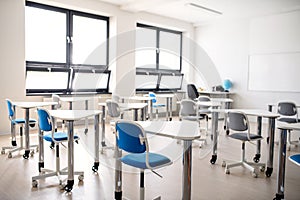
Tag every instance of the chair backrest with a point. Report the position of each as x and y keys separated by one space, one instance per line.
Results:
x=153 y=97
x=113 y=108
x=115 y=98
x=131 y=137
x=10 y=108
x=56 y=98
x=203 y=98
x=187 y=108
x=45 y=120
x=192 y=91
x=287 y=108
x=237 y=121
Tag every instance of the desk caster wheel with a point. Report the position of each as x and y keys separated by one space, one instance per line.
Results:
x=254 y=174
x=69 y=186
x=227 y=132
x=213 y=159
x=14 y=143
x=35 y=183
x=262 y=168
x=269 y=172
x=52 y=145
x=227 y=171
x=2 y=152
x=9 y=155
x=279 y=197
x=86 y=130
x=32 y=153
x=256 y=158
x=95 y=167
x=223 y=164
x=26 y=154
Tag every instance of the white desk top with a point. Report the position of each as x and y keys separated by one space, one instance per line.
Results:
x=24 y=104
x=138 y=98
x=161 y=95
x=288 y=126
x=209 y=103
x=221 y=100
x=251 y=112
x=74 y=99
x=214 y=92
x=70 y=115
x=129 y=106
x=183 y=130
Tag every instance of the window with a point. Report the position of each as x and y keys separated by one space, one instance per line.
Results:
x=158 y=58
x=61 y=42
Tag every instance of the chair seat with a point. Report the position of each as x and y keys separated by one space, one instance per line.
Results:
x=192 y=118
x=295 y=159
x=58 y=136
x=158 y=105
x=288 y=120
x=139 y=160
x=244 y=137
x=22 y=121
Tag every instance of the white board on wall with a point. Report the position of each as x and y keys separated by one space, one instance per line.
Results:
x=279 y=72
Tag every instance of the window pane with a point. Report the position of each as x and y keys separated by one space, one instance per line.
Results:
x=146 y=81
x=90 y=81
x=170 y=82
x=89 y=40
x=145 y=56
x=45 y=32
x=46 y=80
x=169 y=46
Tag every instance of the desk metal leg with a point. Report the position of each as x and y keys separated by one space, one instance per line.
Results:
x=26 y=127
x=214 y=129
x=70 y=181
x=171 y=108
x=271 y=131
x=41 y=150
x=151 y=110
x=103 y=127
x=281 y=165
x=187 y=170
x=167 y=108
x=270 y=108
x=86 y=119
x=136 y=114
x=96 y=127
x=258 y=146
x=118 y=174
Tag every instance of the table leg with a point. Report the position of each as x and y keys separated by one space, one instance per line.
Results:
x=271 y=132
x=13 y=130
x=258 y=146
x=26 y=127
x=41 y=150
x=151 y=110
x=270 y=108
x=96 y=127
x=103 y=127
x=118 y=174
x=136 y=114
x=187 y=170
x=70 y=181
x=171 y=99
x=86 y=119
x=167 y=108
x=281 y=165
x=214 y=129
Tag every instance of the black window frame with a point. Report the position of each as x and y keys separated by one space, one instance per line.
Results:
x=157 y=71
x=68 y=65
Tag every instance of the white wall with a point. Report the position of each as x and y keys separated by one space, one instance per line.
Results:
x=12 y=49
x=230 y=42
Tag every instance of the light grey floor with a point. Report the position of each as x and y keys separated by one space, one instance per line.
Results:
x=208 y=181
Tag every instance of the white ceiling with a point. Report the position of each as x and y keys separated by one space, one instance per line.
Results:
x=178 y=9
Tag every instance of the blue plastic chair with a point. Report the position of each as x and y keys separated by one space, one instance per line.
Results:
x=46 y=125
x=295 y=159
x=155 y=105
x=13 y=122
x=131 y=138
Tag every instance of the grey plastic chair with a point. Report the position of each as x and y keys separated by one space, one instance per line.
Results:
x=204 y=110
x=238 y=123
x=288 y=113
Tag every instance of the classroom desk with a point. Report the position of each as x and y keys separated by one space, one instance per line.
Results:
x=72 y=100
x=271 y=131
x=284 y=128
x=27 y=106
x=169 y=99
x=145 y=99
x=70 y=116
x=124 y=107
x=181 y=130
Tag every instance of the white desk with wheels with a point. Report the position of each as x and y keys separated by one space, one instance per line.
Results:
x=271 y=131
x=71 y=100
x=70 y=116
x=284 y=128
x=181 y=130
x=27 y=106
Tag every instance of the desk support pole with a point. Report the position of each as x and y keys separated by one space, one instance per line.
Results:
x=70 y=182
x=118 y=174
x=26 y=127
x=187 y=170
x=258 y=146
x=96 y=127
x=214 y=129
x=167 y=108
x=103 y=127
x=86 y=119
x=41 y=150
x=271 y=131
x=281 y=164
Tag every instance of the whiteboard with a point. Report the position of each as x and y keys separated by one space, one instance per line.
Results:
x=278 y=72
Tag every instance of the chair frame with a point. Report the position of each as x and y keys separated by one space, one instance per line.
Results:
x=45 y=173
x=15 y=147
x=243 y=162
